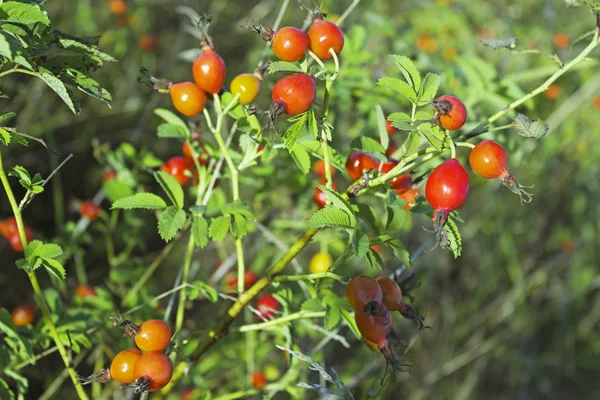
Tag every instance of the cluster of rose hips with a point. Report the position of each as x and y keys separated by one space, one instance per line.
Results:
x=372 y=301
x=184 y=168
x=9 y=230
x=148 y=371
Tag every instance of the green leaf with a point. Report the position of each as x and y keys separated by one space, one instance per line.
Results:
x=397 y=218
x=374 y=259
x=22 y=13
x=399 y=86
x=434 y=135
x=171 y=131
x=240 y=225
x=200 y=231
x=140 y=200
x=332 y=317
x=205 y=289
x=401 y=121
x=401 y=254
x=5 y=136
x=339 y=202
x=350 y=321
x=22 y=174
x=218 y=228
x=410 y=72
x=171 y=118
x=115 y=190
x=528 y=128
x=313 y=126
x=5 y=50
x=331 y=216
x=384 y=138
x=431 y=83
x=170 y=222
x=283 y=66
x=312 y=305
x=411 y=144
x=294 y=132
x=301 y=158
x=360 y=243
x=54 y=267
x=367 y=144
x=7 y=116
x=171 y=187
x=454 y=237
x=88 y=86
x=367 y=214
x=59 y=87
x=49 y=250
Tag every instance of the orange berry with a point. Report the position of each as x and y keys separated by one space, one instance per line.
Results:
x=561 y=40
x=117 y=7
x=427 y=44
x=123 y=365
x=23 y=315
x=82 y=291
x=553 y=92
x=259 y=380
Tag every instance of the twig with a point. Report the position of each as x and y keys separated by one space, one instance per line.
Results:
x=30 y=195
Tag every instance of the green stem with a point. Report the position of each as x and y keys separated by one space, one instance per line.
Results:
x=244 y=394
x=452 y=145
x=317 y=59
x=282 y=320
x=465 y=144
x=22 y=71
x=310 y=277
x=36 y=286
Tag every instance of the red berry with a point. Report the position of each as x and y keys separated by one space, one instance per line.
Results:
x=23 y=315
x=319 y=169
x=9 y=227
x=323 y=36
x=267 y=306
x=450 y=112
x=489 y=160
x=90 y=210
x=409 y=196
x=109 y=175
x=390 y=128
x=289 y=43
x=123 y=365
x=364 y=295
x=209 y=71
x=152 y=371
x=14 y=239
x=117 y=7
x=400 y=183
x=293 y=95
x=177 y=167
x=250 y=279
x=83 y=291
x=148 y=43
x=15 y=243
x=203 y=156
x=246 y=86
x=188 y=98
x=392 y=294
x=153 y=335
x=375 y=328
x=259 y=380
x=359 y=163
x=392 y=147
x=446 y=190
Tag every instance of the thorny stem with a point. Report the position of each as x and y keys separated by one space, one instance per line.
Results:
x=310 y=277
x=36 y=286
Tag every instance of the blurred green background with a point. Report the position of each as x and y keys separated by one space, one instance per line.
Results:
x=515 y=317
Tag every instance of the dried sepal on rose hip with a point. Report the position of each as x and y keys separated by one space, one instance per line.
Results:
x=488 y=158
x=150 y=335
x=449 y=112
x=446 y=190
x=152 y=372
x=365 y=296
x=393 y=301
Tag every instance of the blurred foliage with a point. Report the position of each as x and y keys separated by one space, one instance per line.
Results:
x=516 y=316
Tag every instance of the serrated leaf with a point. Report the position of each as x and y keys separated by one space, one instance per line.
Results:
x=333 y=317
x=384 y=138
x=239 y=226
x=23 y=13
x=338 y=201
x=374 y=259
x=313 y=127
x=140 y=200
x=115 y=190
x=411 y=144
x=5 y=136
x=367 y=214
x=22 y=174
x=7 y=116
x=54 y=267
x=428 y=90
x=367 y=144
x=401 y=121
x=88 y=85
x=200 y=231
x=59 y=87
x=171 y=118
x=295 y=131
x=208 y=291
x=283 y=66
x=48 y=250
x=528 y=128
x=508 y=43
x=454 y=237
x=408 y=69
x=218 y=228
x=301 y=158
x=400 y=87
x=5 y=50
x=360 y=243
x=171 y=187
x=331 y=216
x=351 y=322
x=434 y=135
x=171 y=131
x=311 y=305
x=170 y=222
x=397 y=217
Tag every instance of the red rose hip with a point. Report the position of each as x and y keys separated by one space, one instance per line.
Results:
x=293 y=95
x=450 y=112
